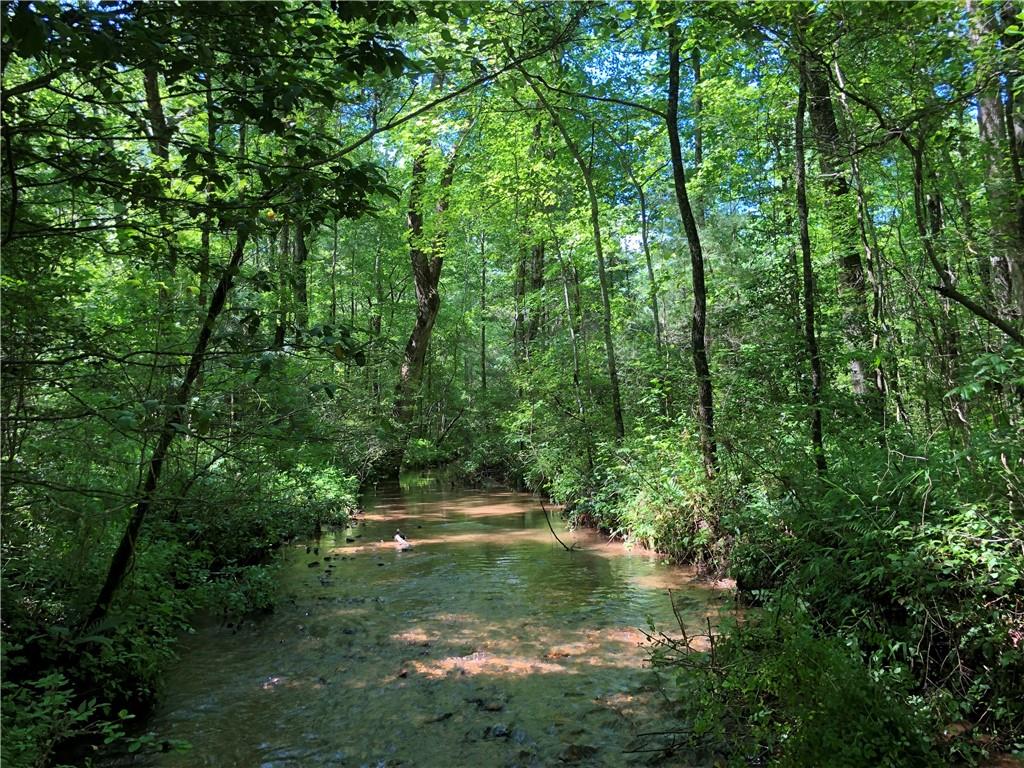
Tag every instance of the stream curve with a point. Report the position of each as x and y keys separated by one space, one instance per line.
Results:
x=486 y=644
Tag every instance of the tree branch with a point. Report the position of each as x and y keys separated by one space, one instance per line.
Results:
x=966 y=301
x=561 y=37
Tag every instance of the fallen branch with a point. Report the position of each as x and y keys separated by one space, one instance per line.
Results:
x=552 y=529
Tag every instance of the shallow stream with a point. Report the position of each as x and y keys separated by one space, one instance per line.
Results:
x=486 y=644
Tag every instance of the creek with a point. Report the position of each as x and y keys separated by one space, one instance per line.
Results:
x=486 y=644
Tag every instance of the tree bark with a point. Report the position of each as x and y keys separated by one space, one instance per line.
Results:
x=334 y=274
x=698 y=325
x=574 y=321
x=810 y=335
x=427 y=259
x=208 y=225
x=1007 y=271
x=927 y=216
x=841 y=214
x=535 y=305
x=645 y=243
x=300 y=280
x=483 y=310
x=698 y=133
x=280 y=257
x=519 y=307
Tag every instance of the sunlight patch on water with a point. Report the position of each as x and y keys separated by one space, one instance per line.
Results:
x=487 y=644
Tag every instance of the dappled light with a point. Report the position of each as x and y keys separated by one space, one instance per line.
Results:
x=511 y=384
x=491 y=641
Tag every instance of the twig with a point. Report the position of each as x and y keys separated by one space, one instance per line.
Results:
x=552 y=529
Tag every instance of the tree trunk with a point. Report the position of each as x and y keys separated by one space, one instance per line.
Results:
x=519 y=307
x=208 y=224
x=602 y=272
x=377 y=316
x=1007 y=272
x=300 y=280
x=535 y=286
x=427 y=259
x=645 y=243
x=841 y=215
x=877 y=398
x=483 y=310
x=927 y=216
x=698 y=134
x=810 y=336
x=334 y=275
x=574 y=321
x=125 y=552
x=280 y=259
x=698 y=325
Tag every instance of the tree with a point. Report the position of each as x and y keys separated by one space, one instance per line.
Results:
x=698 y=325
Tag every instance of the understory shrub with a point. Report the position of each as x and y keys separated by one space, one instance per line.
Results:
x=775 y=691
x=651 y=491
x=918 y=564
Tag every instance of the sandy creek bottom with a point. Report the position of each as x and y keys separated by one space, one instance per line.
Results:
x=485 y=645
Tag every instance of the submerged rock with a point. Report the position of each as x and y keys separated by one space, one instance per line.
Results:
x=576 y=753
x=314 y=564
x=487 y=705
x=497 y=731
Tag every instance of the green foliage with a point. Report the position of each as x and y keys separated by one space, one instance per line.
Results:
x=142 y=143
x=421 y=453
x=774 y=691
x=651 y=490
x=912 y=569
x=40 y=714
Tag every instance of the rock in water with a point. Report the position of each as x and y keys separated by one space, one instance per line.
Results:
x=497 y=731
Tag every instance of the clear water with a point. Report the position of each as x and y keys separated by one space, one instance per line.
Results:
x=486 y=644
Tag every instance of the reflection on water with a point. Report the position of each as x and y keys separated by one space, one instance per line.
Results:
x=487 y=644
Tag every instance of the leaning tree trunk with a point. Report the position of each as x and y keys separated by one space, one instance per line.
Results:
x=125 y=552
x=698 y=325
x=427 y=258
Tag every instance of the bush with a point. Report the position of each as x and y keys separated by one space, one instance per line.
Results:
x=652 y=492
x=774 y=691
x=39 y=714
x=208 y=550
x=894 y=557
